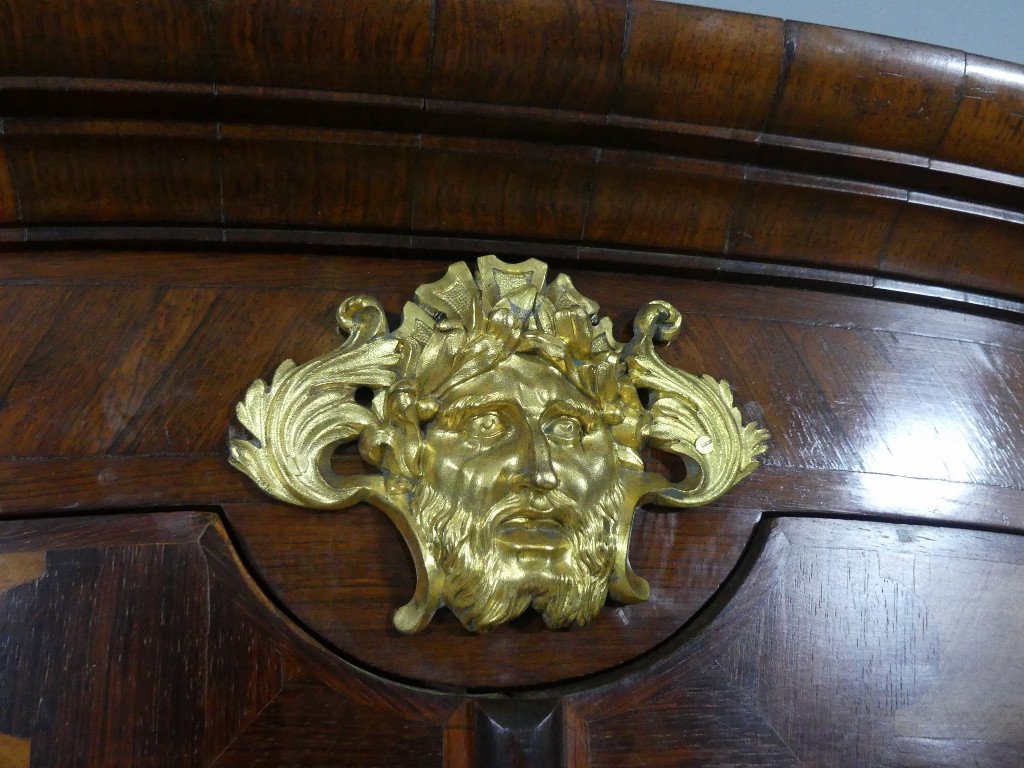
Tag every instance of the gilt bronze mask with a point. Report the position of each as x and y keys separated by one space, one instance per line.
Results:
x=507 y=424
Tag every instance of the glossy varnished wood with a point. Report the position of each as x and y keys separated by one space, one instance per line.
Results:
x=807 y=664
x=161 y=379
x=99 y=171
x=698 y=195
x=987 y=128
x=163 y=41
x=575 y=47
x=688 y=66
x=857 y=88
x=875 y=408
x=889 y=616
x=364 y=178
x=187 y=191
x=363 y=46
x=343 y=575
x=863 y=147
x=933 y=241
x=83 y=646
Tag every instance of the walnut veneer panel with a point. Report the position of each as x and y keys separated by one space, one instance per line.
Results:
x=336 y=45
x=579 y=124
x=92 y=672
x=808 y=664
x=690 y=66
x=94 y=676
x=868 y=402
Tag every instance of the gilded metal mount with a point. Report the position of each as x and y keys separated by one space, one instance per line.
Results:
x=507 y=424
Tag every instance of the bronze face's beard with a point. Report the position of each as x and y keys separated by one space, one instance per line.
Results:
x=485 y=586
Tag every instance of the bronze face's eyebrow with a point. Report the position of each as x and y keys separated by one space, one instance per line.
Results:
x=456 y=409
x=586 y=414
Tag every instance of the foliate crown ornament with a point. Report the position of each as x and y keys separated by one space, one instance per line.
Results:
x=506 y=423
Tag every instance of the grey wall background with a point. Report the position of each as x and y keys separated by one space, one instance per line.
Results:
x=989 y=27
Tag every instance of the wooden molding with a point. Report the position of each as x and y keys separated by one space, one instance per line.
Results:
x=652 y=126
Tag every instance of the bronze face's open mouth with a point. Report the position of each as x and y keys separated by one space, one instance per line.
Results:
x=539 y=528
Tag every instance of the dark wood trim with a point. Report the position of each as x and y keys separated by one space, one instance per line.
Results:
x=883 y=156
x=16 y=241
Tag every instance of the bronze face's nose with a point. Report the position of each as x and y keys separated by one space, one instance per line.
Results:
x=541 y=470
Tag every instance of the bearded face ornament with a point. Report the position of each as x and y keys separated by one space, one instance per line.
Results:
x=507 y=424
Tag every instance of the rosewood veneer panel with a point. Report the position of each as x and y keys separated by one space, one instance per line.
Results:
x=155 y=40
x=309 y=724
x=838 y=642
x=334 y=179
x=988 y=128
x=857 y=88
x=901 y=410
x=162 y=369
x=89 y=671
x=344 y=574
x=687 y=65
x=343 y=45
x=847 y=644
x=269 y=326
x=32 y=311
x=116 y=357
x=565 y=55
x=93 y=672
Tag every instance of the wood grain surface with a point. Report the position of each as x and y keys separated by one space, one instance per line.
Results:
x=876 y=409
x=344 y=575
x=187 y=191
x=881 y=387
x=637 y=125
x=807 y=663
x=93 y=677
x=837 y=642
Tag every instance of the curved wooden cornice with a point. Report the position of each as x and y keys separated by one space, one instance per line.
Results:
x=600 y=129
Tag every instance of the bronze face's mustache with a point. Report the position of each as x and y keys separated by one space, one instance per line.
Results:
x=548 y=505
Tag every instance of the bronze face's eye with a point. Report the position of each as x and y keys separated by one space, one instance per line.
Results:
x=565 y=428
x=486 y=425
